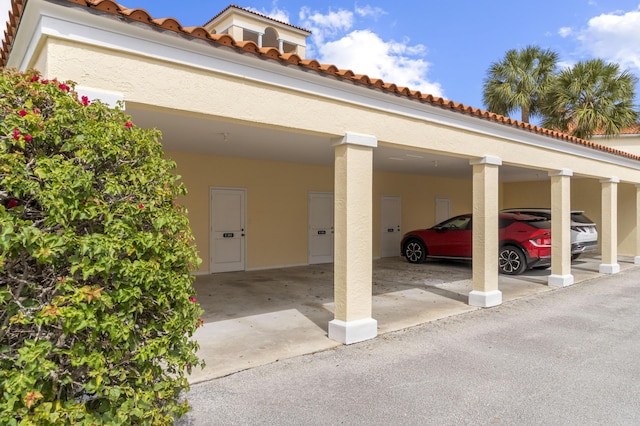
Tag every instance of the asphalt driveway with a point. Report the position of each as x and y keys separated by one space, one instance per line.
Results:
x=563 y=357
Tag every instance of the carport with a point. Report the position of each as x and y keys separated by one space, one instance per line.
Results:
x=265 y=132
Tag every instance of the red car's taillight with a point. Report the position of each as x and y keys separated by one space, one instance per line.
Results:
x=542 y=241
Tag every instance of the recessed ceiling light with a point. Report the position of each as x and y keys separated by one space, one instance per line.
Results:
x=414 y=156
x=396 y=158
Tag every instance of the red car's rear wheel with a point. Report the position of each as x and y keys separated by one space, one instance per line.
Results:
x=511 y=260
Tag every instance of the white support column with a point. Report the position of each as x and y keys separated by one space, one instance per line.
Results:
x=281 y=45
x=636 y=259
x=485 y=291
x=353 y=240
x=560 y=229
x=609 y=238
x=260 y=39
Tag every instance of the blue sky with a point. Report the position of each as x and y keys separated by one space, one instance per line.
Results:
x=440 y=47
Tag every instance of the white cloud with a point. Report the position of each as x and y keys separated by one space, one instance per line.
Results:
x=326 y=26
x=615 y=37
x=339 y=38
x=374 y=12
x=364 y=52
x=565 y=32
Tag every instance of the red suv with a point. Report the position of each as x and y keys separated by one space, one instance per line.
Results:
x=525 y=242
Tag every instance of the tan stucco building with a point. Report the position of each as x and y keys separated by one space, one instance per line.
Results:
x=291 y=162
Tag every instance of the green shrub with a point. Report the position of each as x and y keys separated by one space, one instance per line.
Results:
x=96 y=299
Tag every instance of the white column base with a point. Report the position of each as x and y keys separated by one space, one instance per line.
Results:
x=636 y=260
x=353 y=331
x=560 y=280
x=485 y=299
x=609 y=268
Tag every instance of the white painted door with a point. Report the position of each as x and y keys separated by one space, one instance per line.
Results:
x=443 y=209
x=390 y=220
x=227 y=230
x=320 y=227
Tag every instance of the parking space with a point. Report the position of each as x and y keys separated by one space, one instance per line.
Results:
x=258 y=317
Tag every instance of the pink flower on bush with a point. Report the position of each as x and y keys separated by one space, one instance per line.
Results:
x=64 y=87
x=16 y=134
x=36 y=111
x=22 y=113
x=44 y=81
x=192 y=299
x=85 y=101
x=28 y=137
x=128 y=124
x=35 y=78
x=12 y=203
x=141 y=206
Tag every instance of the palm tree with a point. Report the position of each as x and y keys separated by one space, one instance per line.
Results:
x=591 y=96
x=519 y=81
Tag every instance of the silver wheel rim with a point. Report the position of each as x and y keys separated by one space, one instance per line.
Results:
x=413 y=252
x=510 y=261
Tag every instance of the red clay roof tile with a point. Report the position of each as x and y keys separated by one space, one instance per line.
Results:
x=248 y=46
x=291 y=58
x=198 y=32
x=140 y=15
x=631 y=130
x=270 y=52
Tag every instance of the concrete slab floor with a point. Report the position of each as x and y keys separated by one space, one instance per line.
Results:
x=257 y=317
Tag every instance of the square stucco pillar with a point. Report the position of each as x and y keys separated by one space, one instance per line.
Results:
x=353 y=240
x=609 y=263
x=560 y=229
x=485 y=291
x=636 y=259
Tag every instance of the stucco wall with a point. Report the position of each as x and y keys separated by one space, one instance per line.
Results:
x=418 y=194
x=277 y=202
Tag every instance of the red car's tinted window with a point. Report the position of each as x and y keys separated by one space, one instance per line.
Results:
x=538 y=223
x=461 y=222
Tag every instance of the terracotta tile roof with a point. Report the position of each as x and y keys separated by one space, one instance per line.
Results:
x=141 y=15
x=631 y=130
x=233 y=6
